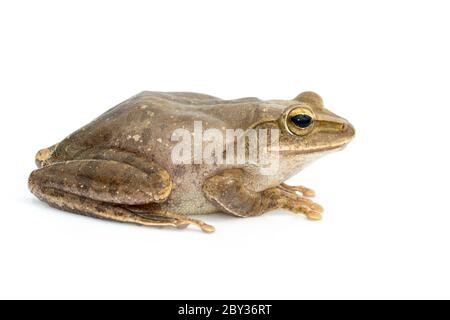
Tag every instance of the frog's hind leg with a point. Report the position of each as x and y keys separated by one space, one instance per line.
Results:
x=106 y=189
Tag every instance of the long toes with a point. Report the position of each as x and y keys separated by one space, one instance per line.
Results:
x=184 y=224
x=309 y=193
x=311 y=205
x=312 y=210
x=317 y=207
x=306 y=192
x=207 y=228
x=313 y=215
x=202 y=225
x=309 y=213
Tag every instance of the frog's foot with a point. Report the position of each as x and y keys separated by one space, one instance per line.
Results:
x=299 y=204
x=229 y=194
x=154 y=211
x=312 y=210
x=306 y=192
x=171 y=219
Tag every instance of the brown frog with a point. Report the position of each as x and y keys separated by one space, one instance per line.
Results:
x=121 y=166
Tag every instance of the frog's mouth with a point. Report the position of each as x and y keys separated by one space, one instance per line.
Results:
x=324 y=143
x=319 y=149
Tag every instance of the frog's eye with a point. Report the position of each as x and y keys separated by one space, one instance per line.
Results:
x=302 y=120
x=299 y=121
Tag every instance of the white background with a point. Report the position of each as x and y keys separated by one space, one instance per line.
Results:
x=384 y=65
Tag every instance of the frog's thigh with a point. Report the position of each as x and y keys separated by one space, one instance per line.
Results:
x=102 y=180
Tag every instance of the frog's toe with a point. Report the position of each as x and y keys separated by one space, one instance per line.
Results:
x=312 y=212
x=154 y=211
x=316 y=207
x=302 y=205
x=314 y=216
x=306 y=192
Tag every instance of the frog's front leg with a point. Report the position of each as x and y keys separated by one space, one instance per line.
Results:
x=228 y=192
x=107 y=189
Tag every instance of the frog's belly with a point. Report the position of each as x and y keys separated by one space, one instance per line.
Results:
x=189 y=204
x=187 y=196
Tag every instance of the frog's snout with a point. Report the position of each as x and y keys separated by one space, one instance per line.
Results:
x=43 y=155
x=349 y=130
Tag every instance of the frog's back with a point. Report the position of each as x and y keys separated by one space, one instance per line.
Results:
x=145 y=123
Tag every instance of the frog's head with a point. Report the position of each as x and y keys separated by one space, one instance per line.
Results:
x=307 y=127
x=306 y=132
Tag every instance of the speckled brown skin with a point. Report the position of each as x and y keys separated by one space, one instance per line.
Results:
x=119 y=166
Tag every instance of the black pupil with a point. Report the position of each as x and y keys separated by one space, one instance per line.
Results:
x=302 y=120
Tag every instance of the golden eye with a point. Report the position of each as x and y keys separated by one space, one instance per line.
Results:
x=299 y=121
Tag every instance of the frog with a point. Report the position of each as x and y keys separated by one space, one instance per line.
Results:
x=120 y=166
